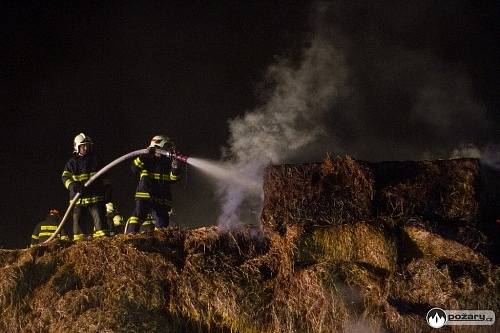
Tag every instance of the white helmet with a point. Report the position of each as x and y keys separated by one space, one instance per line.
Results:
x=162 y=142
x=79 y=140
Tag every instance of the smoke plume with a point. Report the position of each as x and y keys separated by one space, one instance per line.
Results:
x=285 y=124
x=368 y=85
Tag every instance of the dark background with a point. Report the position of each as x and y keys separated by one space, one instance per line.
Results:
x=122 y=73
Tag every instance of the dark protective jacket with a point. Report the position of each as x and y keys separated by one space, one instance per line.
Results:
x=155 y=176
x=80 y=169
x=46 y=228
x=115 y=227
x=148 y=225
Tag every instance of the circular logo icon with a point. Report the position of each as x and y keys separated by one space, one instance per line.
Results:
x=436 y=317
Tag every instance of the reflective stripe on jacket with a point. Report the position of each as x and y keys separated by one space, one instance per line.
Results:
x=46 y=228
x=155 y=176
x=81 y=169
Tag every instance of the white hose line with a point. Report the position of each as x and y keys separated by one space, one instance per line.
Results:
x=91 y=180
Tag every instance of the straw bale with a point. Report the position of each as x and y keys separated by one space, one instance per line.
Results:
x=334 y=191
x=443 y=189
x=368 y=281
x=223 y=283
x=447 y=284
x=7 y=257
x=303 y=303
x=203 y=296
x=201 y=240
x=359 y=242
x=402 y=321
x=246 y=241
x=431 y=244
x=281 y=253
x=79 y=287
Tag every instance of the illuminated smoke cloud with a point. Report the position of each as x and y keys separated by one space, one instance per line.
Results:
x=466 y=151
x=289 y=121
x=376 y=94
x=490 y=156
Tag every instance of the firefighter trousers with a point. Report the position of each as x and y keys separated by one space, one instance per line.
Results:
x=82 y=226
x=159 y=212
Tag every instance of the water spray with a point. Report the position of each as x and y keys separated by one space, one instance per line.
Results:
x=228 y=174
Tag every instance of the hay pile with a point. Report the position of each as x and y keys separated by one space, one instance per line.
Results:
x=359 y=242
x=88 y=287
x=172 y=281
x=442 y=190
x=331 y=258
x=407 y=245
x=334 y=191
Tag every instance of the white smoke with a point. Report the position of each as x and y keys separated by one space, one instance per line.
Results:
x=394 y=102
x=488 y=155
x=469 y=150
x=288 y=121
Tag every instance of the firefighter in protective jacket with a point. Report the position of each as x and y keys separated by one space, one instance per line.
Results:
x=46 y=228
x=148 y=225
x=77 y=171
x=156 y=172
x=114 y=220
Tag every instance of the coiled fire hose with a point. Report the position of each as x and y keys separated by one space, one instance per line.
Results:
x=101 y=172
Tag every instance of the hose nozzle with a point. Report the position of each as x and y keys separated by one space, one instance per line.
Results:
x=180 y=157
x=173 y=154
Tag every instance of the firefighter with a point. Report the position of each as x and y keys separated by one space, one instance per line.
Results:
x=80 y=167
x=114 y=219
x=46 y=228
x=156 y=172
x=148 y=224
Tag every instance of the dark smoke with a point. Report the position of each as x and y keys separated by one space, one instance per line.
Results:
x=413 y=82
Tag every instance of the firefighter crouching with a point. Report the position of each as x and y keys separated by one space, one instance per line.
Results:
x=153 y=196
x=46 y=228
x=148 y=225
x=114 y=220
x=80 y=167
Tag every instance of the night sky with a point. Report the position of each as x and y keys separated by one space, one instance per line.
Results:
x=423 y=78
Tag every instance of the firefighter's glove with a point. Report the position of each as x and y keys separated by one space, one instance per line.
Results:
x=109 y=208
x=151 y=151
x=175 y=163
x=77 y=187
x=117 y=220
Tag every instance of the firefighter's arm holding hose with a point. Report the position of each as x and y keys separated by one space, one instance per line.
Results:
x=69 y=182
x=175 y=171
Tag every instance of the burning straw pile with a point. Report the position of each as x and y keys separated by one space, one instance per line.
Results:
x=329 y=258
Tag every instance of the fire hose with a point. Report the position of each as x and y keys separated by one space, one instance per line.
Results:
x=104 y=170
